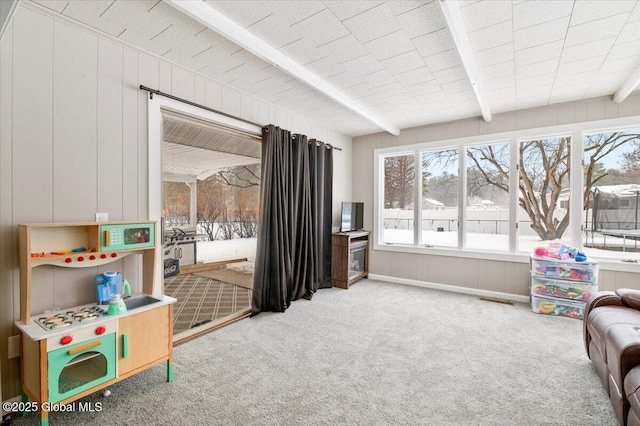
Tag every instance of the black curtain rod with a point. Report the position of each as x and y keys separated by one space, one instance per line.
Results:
x=317 y=142
x=175 y=98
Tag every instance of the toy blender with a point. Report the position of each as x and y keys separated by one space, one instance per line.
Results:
x=117 y=288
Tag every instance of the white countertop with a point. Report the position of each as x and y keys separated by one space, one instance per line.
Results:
x=34 y=331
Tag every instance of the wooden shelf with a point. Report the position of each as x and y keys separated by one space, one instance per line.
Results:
x=345 y=268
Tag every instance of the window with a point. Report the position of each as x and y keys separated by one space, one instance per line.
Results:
x=611 y=190
x=399 y=181
x=487 y=221
x=440 y=198
x=514 y=193
x=543 y=181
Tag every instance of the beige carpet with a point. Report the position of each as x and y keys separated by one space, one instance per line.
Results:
x=229 y=276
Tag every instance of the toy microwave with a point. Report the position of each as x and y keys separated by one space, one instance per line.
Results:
x=127 y=236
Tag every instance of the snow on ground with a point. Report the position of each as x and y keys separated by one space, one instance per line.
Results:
x=500 y=242
x=220 y=250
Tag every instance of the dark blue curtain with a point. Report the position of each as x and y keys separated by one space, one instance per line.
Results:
x=293 y=256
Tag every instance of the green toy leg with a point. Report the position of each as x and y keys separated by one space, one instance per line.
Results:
x=25 y=398
x=169 y=371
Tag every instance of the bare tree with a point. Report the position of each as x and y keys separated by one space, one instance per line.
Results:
x=544 y=173
x=242 y=176
x=211 y=204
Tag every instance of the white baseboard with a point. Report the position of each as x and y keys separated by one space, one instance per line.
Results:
x=452 y=288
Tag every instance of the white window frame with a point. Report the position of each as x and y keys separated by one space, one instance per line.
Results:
x=575 y=130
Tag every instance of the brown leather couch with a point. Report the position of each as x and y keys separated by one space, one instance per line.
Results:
x=612 y=341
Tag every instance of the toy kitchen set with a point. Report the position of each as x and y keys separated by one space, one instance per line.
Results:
x=71 y=352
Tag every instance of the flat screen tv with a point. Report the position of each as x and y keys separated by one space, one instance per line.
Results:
x=351 y=216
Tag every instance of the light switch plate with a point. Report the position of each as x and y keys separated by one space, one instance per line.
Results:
x=13 y=348
x=102 y=217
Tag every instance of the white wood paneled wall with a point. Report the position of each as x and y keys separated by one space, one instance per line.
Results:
x=497 y=276
x=73 y=142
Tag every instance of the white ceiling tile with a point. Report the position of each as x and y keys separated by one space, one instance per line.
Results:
x=347 y=9
x=577 y=91
x=625 y=64
x=586 y=50
x=423 y=20
x=573 y=79
x=630 y=32
x=389 y=89
x=493 y=36
x=400 y=7
x=617 y=78
x=602 y=29
x=332 y=29
x=499 y=83
x=624 y=50
x=373 y=23
x=242 y=13
x=362 y=66
x=404 y=62
x=541 y=33
x=118 y=16
x=538 y=81
x=456 y=86
x=419 y=75
x=545 y=90
x=505 y=104
x=537 y=68
x=379 y=78
x=497 y=55
x=56 y=5
x=601 y=90
x=451 y=74
x=302 y=53
x=635 y=15
x=589 y=64
x=424 y=88
x=544 y=52
x=438 y=98
x=497 y=70
x=532 y=102
x=390 y=45
x=593 y=10
x=500 y=93
x=444 y=60
x=343 y=49
x=433 y=43
x=530 y=13
x=485 y=14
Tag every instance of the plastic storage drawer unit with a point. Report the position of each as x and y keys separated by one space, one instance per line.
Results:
x=559 y=307
x=548 y=287
x=565 y=270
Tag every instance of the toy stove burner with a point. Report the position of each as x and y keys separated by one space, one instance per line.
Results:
x=64 y=319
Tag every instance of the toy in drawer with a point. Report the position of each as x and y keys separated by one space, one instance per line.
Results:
x=565 y=270
x=559 y=307
x=562 y=289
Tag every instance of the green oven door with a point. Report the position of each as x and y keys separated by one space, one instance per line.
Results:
x=76 y=368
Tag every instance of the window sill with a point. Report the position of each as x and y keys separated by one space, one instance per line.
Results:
x=608 y=264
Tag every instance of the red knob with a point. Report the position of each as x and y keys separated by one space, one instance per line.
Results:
x=103 y=256
x=114 y=254
x=66 y=339
x=100 y=329
x=67 y=260
x=92 y=257
x=81 y=259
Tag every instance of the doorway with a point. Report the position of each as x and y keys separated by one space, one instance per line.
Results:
x=209 y=194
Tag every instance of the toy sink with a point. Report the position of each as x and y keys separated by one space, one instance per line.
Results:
x=139 y=301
